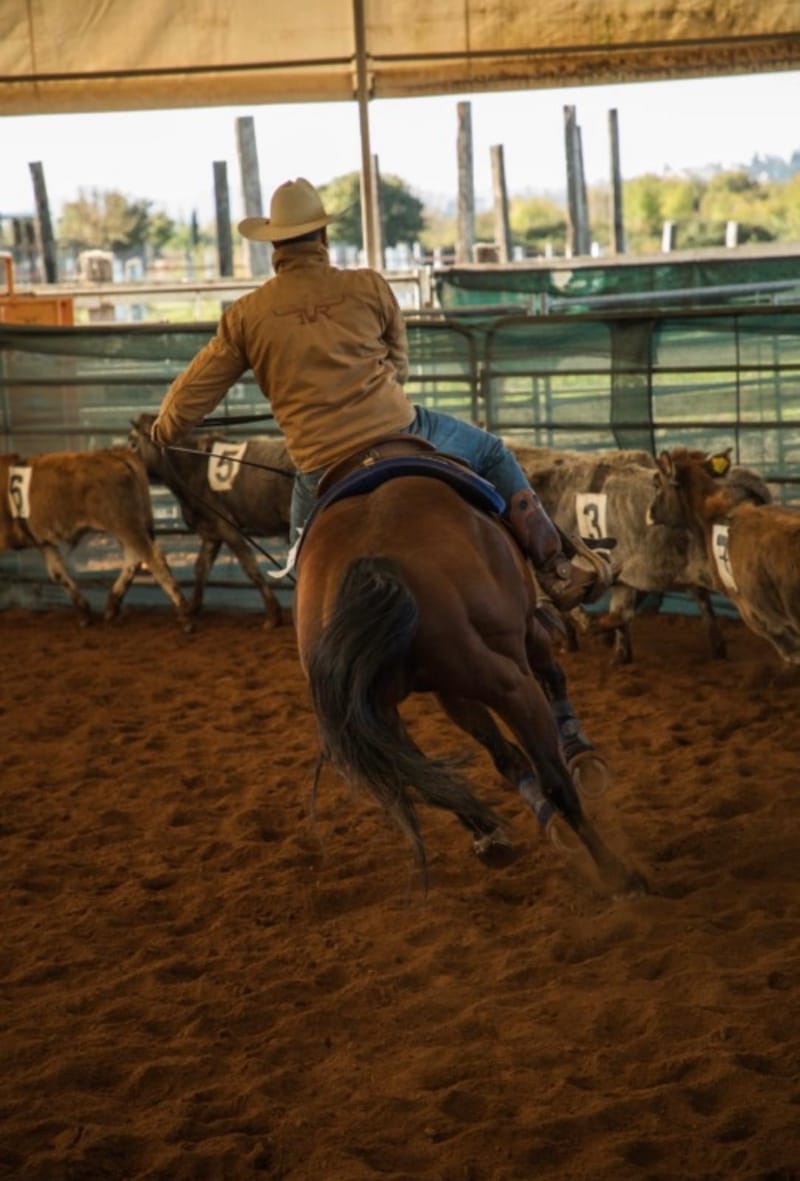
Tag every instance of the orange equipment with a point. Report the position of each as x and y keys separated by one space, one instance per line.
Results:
x=30 y=308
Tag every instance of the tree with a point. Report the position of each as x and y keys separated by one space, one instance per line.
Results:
x=159 y=231
x=538 y=223
x=109 y=220
x=402 y=212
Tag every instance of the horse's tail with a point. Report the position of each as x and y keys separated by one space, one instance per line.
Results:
x=359 y=671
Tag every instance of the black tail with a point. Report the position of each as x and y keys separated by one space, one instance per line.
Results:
x=359 y=672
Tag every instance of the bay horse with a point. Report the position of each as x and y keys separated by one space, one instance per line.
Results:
x=409 y=588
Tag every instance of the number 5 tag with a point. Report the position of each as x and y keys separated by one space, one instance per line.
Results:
x=223 y=465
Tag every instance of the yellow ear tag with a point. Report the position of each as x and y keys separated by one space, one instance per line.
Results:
x=720 y=464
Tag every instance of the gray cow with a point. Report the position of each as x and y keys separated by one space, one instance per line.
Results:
x=223 y=500
x=53 y=499
x=609 y=493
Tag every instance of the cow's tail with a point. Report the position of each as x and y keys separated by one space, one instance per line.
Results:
x=360 y=669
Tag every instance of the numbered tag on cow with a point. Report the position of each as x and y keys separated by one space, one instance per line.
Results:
x=224 y=465
x=19 y=491
x=590 y=511
x=720 y=544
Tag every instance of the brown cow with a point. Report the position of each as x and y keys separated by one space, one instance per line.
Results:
x=753 y=549
x=57 y=497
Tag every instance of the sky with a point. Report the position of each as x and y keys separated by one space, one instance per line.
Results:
x=167 y=156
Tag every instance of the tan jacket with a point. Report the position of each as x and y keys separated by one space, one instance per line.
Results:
x=327 y=347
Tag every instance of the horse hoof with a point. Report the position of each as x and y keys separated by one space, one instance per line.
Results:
x=590 y=774
x=562 y=837
x=495 y=850
x=636 y=886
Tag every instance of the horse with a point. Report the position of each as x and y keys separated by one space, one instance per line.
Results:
x=410 y=588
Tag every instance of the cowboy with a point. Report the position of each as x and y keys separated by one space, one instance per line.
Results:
x=328 y=348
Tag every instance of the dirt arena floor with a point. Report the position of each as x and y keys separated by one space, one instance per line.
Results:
x=198 y=982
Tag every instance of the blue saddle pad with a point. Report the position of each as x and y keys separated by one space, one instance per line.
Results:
x=469 y=484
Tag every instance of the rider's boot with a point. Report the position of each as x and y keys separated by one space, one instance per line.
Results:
x=579 y=575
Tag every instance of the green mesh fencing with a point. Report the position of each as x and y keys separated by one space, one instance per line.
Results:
x=712 y=379
x=580 y=285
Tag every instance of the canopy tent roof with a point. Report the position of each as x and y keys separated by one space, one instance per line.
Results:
x=103 y=55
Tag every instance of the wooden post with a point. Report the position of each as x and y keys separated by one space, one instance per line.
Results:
x=362 y=92
x=258 y=253
x=502 y=230
x=572 y=187
x=223 y=208
x=585 y=234
x=667 y=237
x=46 y=238
x=465 y=235
x=617 y=217
x=377 y=214
x=578 y=240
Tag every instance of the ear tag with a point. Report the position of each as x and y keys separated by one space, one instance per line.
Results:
x=720 y=465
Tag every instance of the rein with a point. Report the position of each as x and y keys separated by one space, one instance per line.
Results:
x=264 y=467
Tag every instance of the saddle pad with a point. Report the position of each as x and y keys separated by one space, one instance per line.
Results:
x=472 y=487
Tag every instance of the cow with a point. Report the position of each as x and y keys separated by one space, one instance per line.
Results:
x=753 y=550
x=222 y=499
x=608 y=493
x=55 y=498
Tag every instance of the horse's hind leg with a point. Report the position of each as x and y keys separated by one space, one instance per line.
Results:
x=525 y=710
x=510 y=762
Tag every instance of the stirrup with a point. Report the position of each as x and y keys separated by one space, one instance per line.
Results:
x=597 y=559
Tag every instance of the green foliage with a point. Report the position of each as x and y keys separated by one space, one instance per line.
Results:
x=159 y=231
x=764 y=209
x=536 y=223
x=401 y=211
x=440 y=231
x=109 y=220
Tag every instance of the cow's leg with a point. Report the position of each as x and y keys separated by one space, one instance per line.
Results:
x=617 y=621
x=716 y=640
x=130 y=564
x=206 y=557
x=248 y=563
x=135 y=551
x=57 y=570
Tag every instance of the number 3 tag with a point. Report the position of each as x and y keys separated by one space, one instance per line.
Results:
x=590 y=510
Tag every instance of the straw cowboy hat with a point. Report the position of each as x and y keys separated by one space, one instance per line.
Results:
x=296 y=208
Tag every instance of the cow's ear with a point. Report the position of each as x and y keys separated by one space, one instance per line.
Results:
x=664 y=462
x=718 y=465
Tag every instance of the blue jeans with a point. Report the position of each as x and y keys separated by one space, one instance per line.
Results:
x=484 y=452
